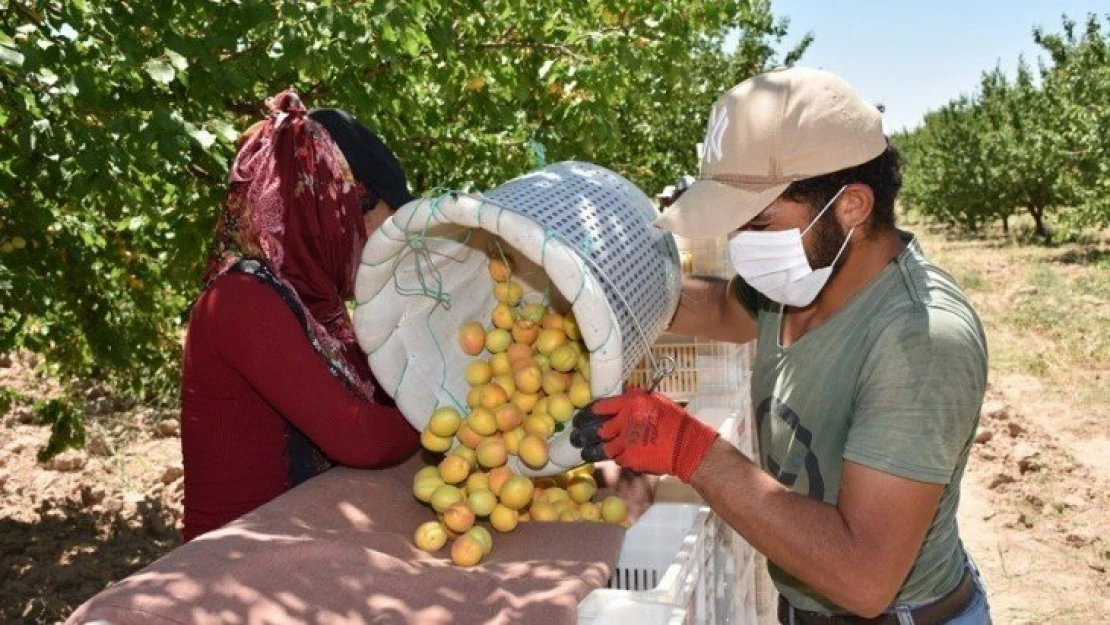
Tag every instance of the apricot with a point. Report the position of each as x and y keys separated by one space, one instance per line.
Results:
x=584 y=366
x=444 y=422
x=503 y=519
x=512 y=440
x=516 y=492
x=428 y=471
x=472 y=397
x=508 y=292
x=554 y=321
x=424 y=487
x=580 y=394
x=542 y=511
x=506 y=383
x=555 y=494
x=482 y=422
x=443 y=496
x=491 y=396
x=564 y=358
x=534 y=312
x=472 y=338
x=508 y=417
x=500 y=364
x=581 y=488
x=533 y=451
x=570 y=515
x=500 y=270
x=503 y=317
x=430 y=536
x=613 y=510
x=497 y=479
x=529 y=379
x=467 y=436
x=477 y=373
x=525 y=332
x=483 y=537
x=458 y=517
x=465 y=452
x=541 y=425
x=560 y=407
x=492 y=453
x=454 y=469
x=570 y=326
x=466 y=551
x=590 y=511
x=431 y=442
x=549 y=340
x=498 y=340
x=524 y=401
x=482 y=502
x=477 y=481
x=519 y=354
x=554 y=382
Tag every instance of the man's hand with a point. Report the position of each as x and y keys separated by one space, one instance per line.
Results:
x=643 y=432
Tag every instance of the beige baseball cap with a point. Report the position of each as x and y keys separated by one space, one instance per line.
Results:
x=768 y=131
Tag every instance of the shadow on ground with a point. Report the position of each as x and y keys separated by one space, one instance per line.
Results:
x=50 y=566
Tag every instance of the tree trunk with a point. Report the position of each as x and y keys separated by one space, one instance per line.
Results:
x=1038 y=220
x=1006 y=224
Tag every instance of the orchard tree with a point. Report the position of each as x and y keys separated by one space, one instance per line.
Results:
x=1019 y=146
x=118 y=121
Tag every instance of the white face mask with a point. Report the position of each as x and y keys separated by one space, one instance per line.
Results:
x=775 y=263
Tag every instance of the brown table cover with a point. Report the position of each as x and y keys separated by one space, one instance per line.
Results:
x=338 y=549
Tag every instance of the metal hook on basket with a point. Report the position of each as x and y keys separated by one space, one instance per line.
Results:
x=663 y=369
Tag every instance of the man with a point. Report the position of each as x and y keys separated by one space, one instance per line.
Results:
x=869 y=373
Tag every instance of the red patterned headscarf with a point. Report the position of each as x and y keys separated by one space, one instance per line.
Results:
x=294 y=207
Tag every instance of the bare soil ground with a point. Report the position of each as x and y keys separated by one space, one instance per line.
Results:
x=1035 y=513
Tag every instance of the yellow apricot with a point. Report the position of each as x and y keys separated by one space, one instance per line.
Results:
x=430 y=536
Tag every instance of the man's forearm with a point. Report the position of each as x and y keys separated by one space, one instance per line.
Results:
x=707 y=310
x=809 y=539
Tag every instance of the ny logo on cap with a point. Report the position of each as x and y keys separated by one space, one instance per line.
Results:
x=714 y=134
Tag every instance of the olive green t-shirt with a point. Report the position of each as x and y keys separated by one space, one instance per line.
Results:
x=894 y=381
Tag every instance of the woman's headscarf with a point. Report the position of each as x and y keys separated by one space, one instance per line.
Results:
x=295 y=209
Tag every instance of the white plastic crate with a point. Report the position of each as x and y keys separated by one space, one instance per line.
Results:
x=679 y=564
x=702 y=368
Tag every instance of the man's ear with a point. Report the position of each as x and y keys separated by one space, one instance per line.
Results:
x=855 y=206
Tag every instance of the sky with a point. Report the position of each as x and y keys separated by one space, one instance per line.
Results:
x=916 y=55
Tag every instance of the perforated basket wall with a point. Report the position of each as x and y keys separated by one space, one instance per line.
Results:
x=603 y=216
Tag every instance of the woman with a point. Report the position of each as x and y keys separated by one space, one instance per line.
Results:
x=275 y=388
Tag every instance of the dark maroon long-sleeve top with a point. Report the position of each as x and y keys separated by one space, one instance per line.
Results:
x=254 y=394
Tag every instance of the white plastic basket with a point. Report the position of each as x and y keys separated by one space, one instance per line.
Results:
x=577 y=232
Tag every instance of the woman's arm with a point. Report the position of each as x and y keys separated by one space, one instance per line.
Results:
x=262 y=339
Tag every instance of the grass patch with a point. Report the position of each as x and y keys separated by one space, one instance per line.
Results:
x=1046 y=308
x=973 y=281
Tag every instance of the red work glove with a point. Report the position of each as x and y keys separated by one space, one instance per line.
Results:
x=643 y=432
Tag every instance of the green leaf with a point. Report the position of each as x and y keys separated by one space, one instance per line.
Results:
x=224 y=130
x=177 y=61
x=160 y=70
x=202 y=136
x=10 y=56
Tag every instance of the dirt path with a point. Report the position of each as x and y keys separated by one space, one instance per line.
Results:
x=1035 y=512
